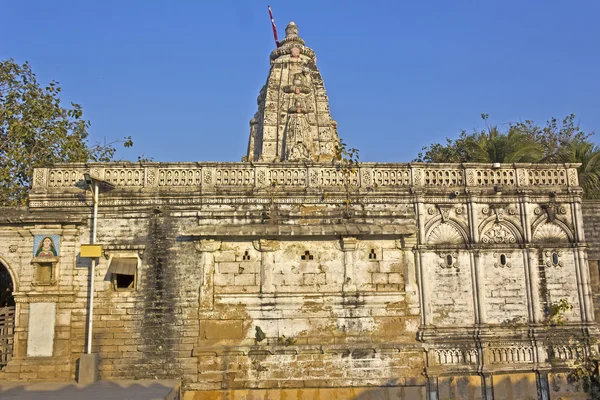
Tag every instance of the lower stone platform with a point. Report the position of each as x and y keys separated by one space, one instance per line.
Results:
x=357 y=393
x=101 y=390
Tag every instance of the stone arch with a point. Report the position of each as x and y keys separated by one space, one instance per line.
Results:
x=7 y=313
x=492 y=231
x=447 y=232
x=7 y=278
x=551 y=232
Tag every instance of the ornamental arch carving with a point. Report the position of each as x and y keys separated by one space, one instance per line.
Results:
x=450 y=232
x=551 y=232
x=492 y=231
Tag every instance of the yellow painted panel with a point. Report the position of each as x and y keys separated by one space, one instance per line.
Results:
x=91 y=250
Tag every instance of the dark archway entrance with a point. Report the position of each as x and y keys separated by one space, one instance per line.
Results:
x=7 y=316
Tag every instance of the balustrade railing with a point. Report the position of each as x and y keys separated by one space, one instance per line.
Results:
x=365 y=175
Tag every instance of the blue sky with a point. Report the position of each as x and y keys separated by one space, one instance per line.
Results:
x=182 y=77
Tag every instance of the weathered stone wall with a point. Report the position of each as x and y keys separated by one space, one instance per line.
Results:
x=243 y=287
x=591 y=216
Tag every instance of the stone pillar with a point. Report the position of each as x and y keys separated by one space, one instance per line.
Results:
x=423 y=288
x=587 y=286
x=267 y=261
x=530 y=258
x=418 y=249
x=487 y=387
x=411 y=286
x=581 y=266
x=477 y=271
x=349 y=246
x=581 y=262
x=207 y=287
x=478 y=283
x=543 y=389
x=432 y=388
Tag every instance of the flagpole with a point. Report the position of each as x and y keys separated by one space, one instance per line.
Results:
x=274 y=27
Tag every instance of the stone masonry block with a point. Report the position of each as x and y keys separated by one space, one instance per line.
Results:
x=224 y=279
x=310 y=268
x=387 y=288
x=219 y=330
x=229 y=267
x=373 y=266
x=392 y=254
x=245 y=279
x=288 y=279
x=391 y=266
x=225 y=256
x=314 y=279
x=379 y=278
x=250 y=266
x=395 y=278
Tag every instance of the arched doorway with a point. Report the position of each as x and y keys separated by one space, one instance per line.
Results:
x=7 y=316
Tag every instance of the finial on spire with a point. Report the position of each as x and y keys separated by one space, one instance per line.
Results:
x=291 y=29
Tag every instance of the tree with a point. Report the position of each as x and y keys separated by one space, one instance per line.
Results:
x=556 y=142
x=345 y=160
x=36 y=130
x=588 y=154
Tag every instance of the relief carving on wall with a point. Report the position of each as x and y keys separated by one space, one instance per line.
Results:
x=449 y=260
x=552 y=258
x=548 y=227
x=445 y=233
x=502 y=260
x=549 y=232
x=499 y=211
x=498 y=234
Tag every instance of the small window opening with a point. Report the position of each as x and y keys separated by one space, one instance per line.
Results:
x=555 y=258
x=123 y=281
x=123 y=272
x=372 y=255
x=449 y=260
x=307 y=256
x=502 y=259
x=246 y=256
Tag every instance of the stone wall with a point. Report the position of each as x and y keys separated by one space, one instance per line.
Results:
x=591 y=216
x=438 y=284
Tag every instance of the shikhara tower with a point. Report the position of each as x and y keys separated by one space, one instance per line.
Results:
x=293 y=122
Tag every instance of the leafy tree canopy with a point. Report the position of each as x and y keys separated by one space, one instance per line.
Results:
x=36 y=130
x=556 y=142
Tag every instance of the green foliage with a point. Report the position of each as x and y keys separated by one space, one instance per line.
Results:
x=586 y=370
x=555 y=312
x=346 y=161
x=555 y=142
x=345 y=158
x=36 y=130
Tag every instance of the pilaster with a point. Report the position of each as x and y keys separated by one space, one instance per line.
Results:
x=207 y=288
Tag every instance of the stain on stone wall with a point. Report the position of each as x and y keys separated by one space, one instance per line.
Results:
x=161 y=320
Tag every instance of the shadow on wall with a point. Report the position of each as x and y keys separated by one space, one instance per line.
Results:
x=167 y=390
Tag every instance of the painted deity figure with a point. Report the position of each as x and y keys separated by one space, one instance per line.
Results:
x=46 y=248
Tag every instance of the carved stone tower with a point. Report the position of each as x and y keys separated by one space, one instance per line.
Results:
x=293 y=122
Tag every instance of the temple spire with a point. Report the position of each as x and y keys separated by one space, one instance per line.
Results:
x=293 y=122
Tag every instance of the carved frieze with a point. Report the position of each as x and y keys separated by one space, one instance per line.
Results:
x=456 y=356
x=498 y=234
